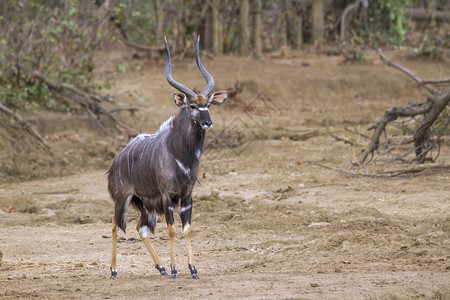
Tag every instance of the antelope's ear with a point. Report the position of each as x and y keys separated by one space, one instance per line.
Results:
x=218 y=98
x=180 y=99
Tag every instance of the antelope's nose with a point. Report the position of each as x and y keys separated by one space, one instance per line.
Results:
x=207 y=124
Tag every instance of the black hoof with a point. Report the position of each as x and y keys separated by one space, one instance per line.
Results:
x=161 y=270
x=113 y=273
x=174 y=273
x=194 y=272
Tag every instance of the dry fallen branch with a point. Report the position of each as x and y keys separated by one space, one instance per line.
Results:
x=390 y=115
x=323 y=184
x=11 y=140
x=356 y=132
x=27 y=127
x=415 y=169
x=386 y=173
x=339 y=139
x=420 y=14
x=431 y=109
x=91 y=102
x=404 y=70
x=439 y=102
x=435 y=81
x=141 y=47
x=349 y=172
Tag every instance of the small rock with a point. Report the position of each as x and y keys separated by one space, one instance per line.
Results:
x=319 y=224
x=314 y=284
x=16 y=276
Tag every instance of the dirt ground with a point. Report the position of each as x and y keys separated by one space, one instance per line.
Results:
x=266 y=224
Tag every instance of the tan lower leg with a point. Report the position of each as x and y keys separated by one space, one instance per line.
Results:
x=171 y=230
x=114 y=246
x=187 y=236
x=149 y=246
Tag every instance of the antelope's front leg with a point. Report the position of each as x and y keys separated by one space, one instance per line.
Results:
x=171 y=229
x=185 y=215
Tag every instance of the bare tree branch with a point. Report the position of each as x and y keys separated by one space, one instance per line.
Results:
x=141 y=47
x=350 y=8
x=27 y=127
x=431 y=109
x=416 y=168
x=349 y=172
x=91 y=102
x=386 y=173
x=418 y=14
x=404 y=70
x=390 y=115
x=439 y=102
x=435 y=81
x=339 y=139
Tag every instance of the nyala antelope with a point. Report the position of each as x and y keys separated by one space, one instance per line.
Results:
x=157 y=172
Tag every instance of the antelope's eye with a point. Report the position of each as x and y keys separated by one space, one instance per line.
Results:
x=193 y=106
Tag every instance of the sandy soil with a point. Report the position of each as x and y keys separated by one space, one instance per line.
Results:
x=265 y=223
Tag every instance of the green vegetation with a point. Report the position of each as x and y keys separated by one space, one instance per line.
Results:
x=56 y=38
x=387 y=21
x=432 y=42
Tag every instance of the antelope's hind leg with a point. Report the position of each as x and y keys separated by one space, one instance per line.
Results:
x=113 y=267
x=119 y=221
x=143 y=233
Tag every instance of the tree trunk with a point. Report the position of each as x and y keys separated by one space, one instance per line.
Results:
x=317 y=20
x=418 y=14
x=208 y=34
x=299 y=23
x=243 y=28
x=294 y=23
x=158 y=10
x=178 y=26
x=256 y=28
x=216 y=34
x=290 y=26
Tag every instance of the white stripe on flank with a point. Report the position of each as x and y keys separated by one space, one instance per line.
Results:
x=183 y=168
